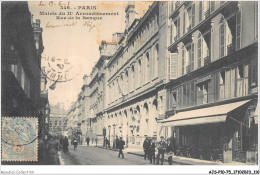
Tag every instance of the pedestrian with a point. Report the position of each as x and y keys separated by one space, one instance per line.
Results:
x=151 y=152
x=65 y=144
x=146 y=146
x=161 y=150
x=169 y=149
x=117 y=142
x=106 y=142
x=52 y=148
x=41 y=150
x=75 y=142
x=96 y=140
x=121 y=144
x=87 y=139
x=92 y=140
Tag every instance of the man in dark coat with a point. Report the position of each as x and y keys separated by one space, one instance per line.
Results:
x=52 y=148
x=65 y=144
x=146 y=146
x=88 y=141
x=161 y=150
x=151 y=152
x=117 y=142
x=121 y=144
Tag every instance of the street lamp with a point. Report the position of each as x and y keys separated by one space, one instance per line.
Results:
x=114 y=127
x=104 y=134
x=109 y=127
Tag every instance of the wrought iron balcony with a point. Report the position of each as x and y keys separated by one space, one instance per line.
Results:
x=207 y=60
x=207 y=14
x=230 y=48
x=188 y=69
x=189 y=28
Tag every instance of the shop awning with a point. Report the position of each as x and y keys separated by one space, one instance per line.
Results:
x=256 y=115
x=215 y=114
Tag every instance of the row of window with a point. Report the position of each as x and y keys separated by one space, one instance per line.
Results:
x=191 y=15
x=25 y=81
x=219 y=86
x=146 y=32
x=139 y=73
x=197 y=53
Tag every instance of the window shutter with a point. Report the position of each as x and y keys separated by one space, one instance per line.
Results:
x=173 y=65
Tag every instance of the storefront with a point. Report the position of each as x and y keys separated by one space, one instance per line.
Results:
x=226 y=132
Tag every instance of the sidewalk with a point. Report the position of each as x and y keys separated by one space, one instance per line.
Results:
x=177 y=159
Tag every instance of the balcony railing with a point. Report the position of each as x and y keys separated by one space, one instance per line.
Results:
x=188 y=69
x=230 y=48
x=189 y=28
x=207 y=60
x=207 y=14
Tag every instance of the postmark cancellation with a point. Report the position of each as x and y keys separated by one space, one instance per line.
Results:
x=19 y=139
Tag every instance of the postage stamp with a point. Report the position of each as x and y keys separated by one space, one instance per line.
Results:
x=19 y=139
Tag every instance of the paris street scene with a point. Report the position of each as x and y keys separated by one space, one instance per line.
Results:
x=129 y=83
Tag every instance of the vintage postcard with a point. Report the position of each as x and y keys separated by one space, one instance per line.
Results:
x=130 y=83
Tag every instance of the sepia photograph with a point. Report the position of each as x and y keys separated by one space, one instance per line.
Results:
x=169 y=83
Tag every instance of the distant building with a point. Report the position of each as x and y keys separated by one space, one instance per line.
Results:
x=58 y=118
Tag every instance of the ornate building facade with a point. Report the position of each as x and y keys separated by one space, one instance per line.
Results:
x=212 y=93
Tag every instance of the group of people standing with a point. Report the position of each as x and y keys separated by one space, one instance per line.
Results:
x=162 y=146
x=48 y=148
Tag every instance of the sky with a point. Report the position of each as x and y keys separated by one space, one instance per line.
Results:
x=78 y=43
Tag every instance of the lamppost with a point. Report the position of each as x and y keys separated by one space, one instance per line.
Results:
x=104 y=134
x=114 y=127
x=109 y=127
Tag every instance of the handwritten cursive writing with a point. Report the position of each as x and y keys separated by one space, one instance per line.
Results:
x=89 y=24
x=53 y=3
x=49 y=25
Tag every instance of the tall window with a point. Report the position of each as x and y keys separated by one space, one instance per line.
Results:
x=132 y=83
x=147 y=67
x=200 y=10
x=193 y=15
x=242 y=80
x=22 y=78
x=126 y=81
x=212 y=6
x=184 y=21
x=238 y=30
x=190 y=16
x=177 y=24
x=140 y=71
x=182 y=60
x=14 y=70
x=202 y=95
x=222 y=37
x=222 y=80
x=192 y=56
x=155 y=56
x=199 y=50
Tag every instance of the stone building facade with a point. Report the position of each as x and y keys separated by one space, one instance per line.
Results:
x=212 y=93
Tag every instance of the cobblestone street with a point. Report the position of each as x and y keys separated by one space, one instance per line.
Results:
x=98 y=156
